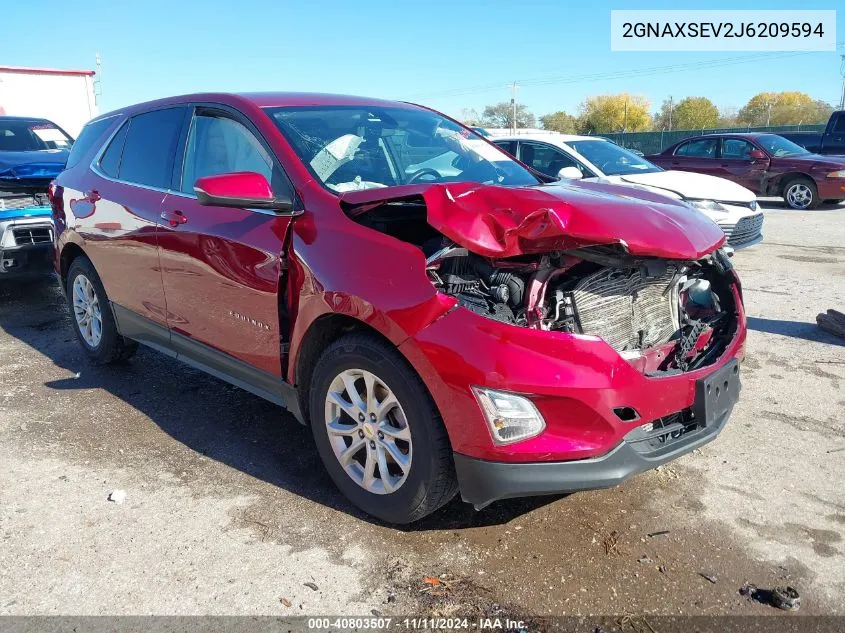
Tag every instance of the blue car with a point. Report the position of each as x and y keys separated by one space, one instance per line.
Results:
x=32 y=153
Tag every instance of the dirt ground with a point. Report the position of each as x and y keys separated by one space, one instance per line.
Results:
x=228 y=510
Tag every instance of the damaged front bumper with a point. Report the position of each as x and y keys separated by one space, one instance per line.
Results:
x=606 y=417
x=483 y=482
x=26 y=243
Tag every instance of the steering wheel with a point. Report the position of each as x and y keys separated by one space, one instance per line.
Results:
x=425 y=171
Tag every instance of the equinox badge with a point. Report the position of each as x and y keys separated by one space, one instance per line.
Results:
x=246 y=319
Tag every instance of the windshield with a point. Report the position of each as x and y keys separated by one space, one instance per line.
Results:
x=31 y=136
x=348 y=148
x=778 y=146
x=611 y=159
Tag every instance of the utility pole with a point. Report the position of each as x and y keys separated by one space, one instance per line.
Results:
x=625 y=123
x=768 y=113
x=671 y=102
x=513 y=107
x=98 y=77
x=842 y=72
x=96 y=87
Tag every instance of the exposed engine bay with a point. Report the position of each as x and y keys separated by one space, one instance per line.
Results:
x=633 y=305
x=667 y=316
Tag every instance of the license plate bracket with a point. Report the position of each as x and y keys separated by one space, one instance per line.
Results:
x=716 y=394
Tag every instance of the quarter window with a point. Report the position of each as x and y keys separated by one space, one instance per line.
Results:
x=220 y=145
x=702 y=148
x=110 y=161
x=150 y=146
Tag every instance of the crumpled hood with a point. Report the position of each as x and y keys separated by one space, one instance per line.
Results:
x=26 y=167
x=496 y=221
x=692 y=185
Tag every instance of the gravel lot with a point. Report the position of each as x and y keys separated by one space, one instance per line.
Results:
x=228 y=510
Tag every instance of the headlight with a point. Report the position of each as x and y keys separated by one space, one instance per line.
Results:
x=706 y=205
x=511 y=418
x=837 y=174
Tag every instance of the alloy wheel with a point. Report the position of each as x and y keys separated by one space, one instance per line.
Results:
x=86 y=310
x=368 y=431
x=799 y=196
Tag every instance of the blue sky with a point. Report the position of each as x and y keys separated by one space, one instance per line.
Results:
x=449 y=55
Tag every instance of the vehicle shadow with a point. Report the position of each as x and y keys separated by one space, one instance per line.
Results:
x=210 y=417
x=793 y=329
x=779 y=204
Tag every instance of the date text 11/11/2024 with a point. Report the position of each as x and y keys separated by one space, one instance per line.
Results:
x=416 y=624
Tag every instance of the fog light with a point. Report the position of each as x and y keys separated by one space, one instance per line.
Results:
x=511 y=418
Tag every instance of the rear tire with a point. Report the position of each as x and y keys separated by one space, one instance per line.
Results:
x=390 y=414
x=92 y=316
x=800 y=193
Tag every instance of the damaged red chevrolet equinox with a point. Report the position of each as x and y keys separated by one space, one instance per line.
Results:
x=444 y=318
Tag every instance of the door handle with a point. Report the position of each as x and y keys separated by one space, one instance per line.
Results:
x=92 y=196
x=174 y=218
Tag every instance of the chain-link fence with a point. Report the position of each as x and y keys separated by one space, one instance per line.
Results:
x=655 y=142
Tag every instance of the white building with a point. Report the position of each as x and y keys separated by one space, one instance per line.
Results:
x=65 y=97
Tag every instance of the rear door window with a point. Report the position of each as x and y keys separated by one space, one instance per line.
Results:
x=150 y=147
x=702 y=148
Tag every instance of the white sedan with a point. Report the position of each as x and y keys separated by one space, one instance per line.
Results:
x=731 y=206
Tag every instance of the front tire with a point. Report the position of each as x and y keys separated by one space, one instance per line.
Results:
x=92 y=316
x=801 y=194
x=378 y=431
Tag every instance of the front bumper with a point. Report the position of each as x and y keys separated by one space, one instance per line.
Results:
x=483 y=482
x=26 y=246
x=743 y=231
x=582 y=387
x=831 y=188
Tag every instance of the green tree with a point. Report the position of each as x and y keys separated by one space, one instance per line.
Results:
x=501 y=115
x=559 y=122
x=783 y=108
x=663 y=120
x=615 y=113
x=690 y=113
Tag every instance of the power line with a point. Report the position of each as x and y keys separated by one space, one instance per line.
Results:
x=716 y=63
x=607 y=75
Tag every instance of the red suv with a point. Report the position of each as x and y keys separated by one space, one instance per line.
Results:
x=443 y=317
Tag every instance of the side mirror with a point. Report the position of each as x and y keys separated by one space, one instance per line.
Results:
x=569 y=173
x=242 y=189
x=757 y=154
